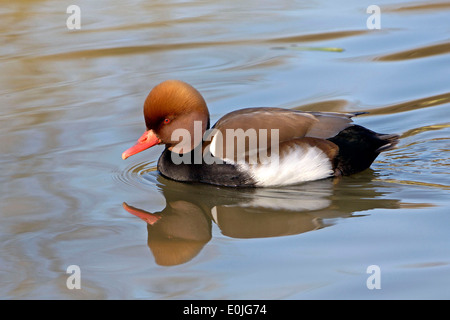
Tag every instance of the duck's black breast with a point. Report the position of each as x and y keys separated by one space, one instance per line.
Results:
x=191 y=167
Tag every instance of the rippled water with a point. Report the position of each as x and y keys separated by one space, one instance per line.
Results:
x=71 y=102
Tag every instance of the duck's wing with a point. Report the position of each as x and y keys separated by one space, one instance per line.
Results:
x=245 y=133
x=329 y=124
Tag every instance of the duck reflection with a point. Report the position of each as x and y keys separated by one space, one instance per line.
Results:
x=180 y=231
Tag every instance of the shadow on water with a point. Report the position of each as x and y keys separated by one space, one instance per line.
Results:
x=180 y=231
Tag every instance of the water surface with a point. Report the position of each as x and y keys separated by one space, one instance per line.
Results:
x=71 y=103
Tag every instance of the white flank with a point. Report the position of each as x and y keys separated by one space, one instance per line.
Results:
x=299 y=165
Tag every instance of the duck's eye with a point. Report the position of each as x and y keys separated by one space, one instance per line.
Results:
x=166 y=120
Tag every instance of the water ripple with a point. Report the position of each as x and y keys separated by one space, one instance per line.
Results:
x=137 y=174
x=416 y=53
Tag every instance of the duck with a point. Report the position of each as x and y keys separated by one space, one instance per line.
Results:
x=255 y=146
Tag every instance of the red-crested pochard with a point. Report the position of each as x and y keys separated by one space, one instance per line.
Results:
x=303 y=146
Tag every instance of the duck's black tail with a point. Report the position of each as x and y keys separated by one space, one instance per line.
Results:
x=359 y=147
